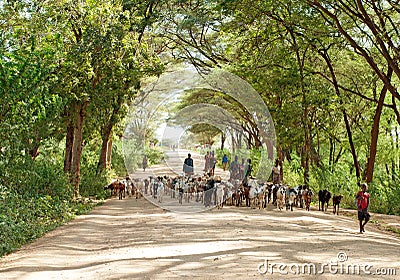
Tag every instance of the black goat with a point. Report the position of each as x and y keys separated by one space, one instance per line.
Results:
x=336 y=201
x=323 y=197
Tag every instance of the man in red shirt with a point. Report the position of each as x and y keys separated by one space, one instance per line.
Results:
x=362 y=205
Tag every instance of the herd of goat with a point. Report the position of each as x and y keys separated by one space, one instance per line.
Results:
x=213 y=191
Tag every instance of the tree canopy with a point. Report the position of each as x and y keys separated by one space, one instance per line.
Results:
x=327 y=71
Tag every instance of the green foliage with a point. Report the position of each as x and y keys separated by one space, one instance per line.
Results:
x=35 y=178
x=220 y=153
x=117 y=160
x=154 y=155
x=23 y=219
x=385 y=195
x=292 y=171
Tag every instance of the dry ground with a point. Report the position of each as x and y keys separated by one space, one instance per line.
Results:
x=133 y=239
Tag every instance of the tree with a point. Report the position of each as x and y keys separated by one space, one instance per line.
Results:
x=375 y=23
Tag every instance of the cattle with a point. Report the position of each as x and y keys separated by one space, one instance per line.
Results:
x=336 y=201
x=323 y=198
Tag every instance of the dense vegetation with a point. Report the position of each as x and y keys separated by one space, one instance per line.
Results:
x=69 y=70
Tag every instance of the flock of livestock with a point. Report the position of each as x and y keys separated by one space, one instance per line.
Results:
x=213 y=191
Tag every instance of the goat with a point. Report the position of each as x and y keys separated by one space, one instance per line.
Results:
x=307 y=195
x=323 y=197
x=292 y=194
x=160 y=191
x=116 y=188
x=280 y=197
x=336 y=201
x=219 y=193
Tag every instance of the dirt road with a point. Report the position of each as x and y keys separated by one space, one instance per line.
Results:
x=134 y=239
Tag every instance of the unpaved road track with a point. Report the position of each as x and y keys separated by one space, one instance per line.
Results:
x=134 y=239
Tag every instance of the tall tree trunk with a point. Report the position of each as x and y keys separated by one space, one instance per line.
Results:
x=331 y=151
x=109 y=152
x=102 y=164
x=77 y=147
x=306 y=123
x=270 y=149
x=306 y=151
x=34 y=150
x=222 y=140
x=352 y=147
x=280 y=161
x=69 y=142
x=328 y=61
x=375 y=132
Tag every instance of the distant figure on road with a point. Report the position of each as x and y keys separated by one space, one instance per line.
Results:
x=211 y=163
x=234 y=168
x=188 y=166
x=241 y=169
x=206 y=158
x=224 y=161
x=247 y=172
x=144 y=163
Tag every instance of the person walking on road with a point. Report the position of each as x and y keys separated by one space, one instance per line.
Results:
x=362 y=206
x=188 y=166
x=144 y=163
x=247 y=172
x=234 y=169
x=211 y=162
x=224 y=161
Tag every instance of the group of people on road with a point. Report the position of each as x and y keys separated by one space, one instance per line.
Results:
x=238 y=171
x=209 y=163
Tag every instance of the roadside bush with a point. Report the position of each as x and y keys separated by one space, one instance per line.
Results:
x=24 y=219
x=35 y=197
x=36 y=178
x=92 y=184
x=154 y=156
x=385 y=194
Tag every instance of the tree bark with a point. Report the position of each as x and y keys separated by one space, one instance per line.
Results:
x=109 y=152
x=375 y=132
x=69 y=142
x=222 y=140
x=352 y=147
x=102 y=164
x=77 y=147
x=34 y=151
x=353 y=151
x=280 y=161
